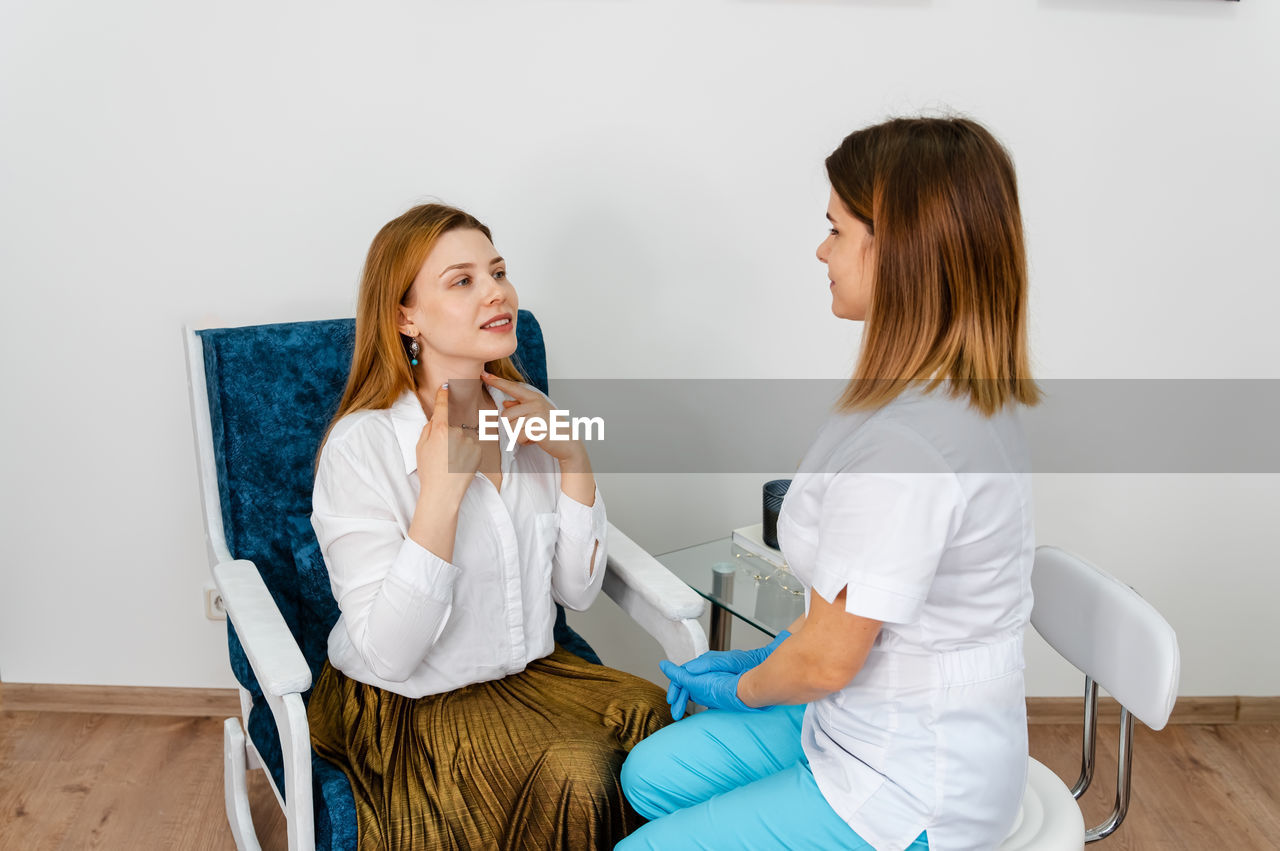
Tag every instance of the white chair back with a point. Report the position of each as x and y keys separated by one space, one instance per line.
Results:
x=1119 y=641
x=1110 y=633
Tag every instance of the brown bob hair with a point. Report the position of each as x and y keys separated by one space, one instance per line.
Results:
x=949 y=280
x=380 y=369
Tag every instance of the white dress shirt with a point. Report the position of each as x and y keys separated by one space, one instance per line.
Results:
x=413 y=623
x=923 y=511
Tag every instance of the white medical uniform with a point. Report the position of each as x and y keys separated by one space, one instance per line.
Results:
x=923 y=510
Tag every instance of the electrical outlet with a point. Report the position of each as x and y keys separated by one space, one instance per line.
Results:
x=214 y=610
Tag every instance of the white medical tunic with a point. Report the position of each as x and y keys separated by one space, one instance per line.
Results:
x=923 y=510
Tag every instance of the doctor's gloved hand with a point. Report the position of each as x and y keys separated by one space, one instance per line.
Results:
x=733 y=661
x=714 y=690
x=678 y=697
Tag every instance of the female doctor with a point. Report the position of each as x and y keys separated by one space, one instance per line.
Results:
x=891 y=714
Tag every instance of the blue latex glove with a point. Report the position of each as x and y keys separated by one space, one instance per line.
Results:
x=734 y=661
x=714 y=690
x=677 y=696
x=729 y=661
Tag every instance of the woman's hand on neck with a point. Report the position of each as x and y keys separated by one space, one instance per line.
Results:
x=467 y=393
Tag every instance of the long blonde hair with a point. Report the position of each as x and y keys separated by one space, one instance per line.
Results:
x=949 y=282
x=380 y=369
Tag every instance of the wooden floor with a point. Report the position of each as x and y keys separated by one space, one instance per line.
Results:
x=77 y=780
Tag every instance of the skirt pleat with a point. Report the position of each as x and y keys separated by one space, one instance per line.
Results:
x=530 y=761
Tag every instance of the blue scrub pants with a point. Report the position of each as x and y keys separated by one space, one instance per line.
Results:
x=720 y=780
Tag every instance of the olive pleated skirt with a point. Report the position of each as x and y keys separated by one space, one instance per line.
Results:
x=530 y=761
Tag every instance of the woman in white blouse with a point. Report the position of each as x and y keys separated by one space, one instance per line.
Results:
x=891 y=715
x=445 y=700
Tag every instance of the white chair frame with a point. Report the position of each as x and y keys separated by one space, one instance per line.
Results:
x=660 y=603
x=1115 y=638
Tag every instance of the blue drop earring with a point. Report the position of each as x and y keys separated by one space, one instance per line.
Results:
x=414 y=348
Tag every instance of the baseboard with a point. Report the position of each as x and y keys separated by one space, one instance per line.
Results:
x=119 y=700
x=1259 y=710
x=222 y=702
x=1187 y=710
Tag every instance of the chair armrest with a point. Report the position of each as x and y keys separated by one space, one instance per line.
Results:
x=651 y=580
x=654 y=598
x=283 y=675
x=277 y=661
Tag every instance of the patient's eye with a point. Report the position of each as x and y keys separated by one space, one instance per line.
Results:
x=462 y=282
x=499 y=275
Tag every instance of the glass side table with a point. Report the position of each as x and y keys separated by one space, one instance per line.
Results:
x=738 y=584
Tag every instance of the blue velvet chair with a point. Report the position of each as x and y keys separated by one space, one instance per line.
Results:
x=262 y=398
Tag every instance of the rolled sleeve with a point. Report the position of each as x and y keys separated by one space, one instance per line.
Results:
x=883 y=533
x=578 y=567
x=581 y=522
x=422 y=573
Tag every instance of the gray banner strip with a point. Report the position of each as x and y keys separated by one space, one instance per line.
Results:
x=1082 y=426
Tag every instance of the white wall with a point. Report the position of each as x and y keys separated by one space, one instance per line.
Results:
x=644 y=165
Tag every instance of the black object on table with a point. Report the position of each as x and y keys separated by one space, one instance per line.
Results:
x=774 y=492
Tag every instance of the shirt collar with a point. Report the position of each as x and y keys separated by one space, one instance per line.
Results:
x=408 y=420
